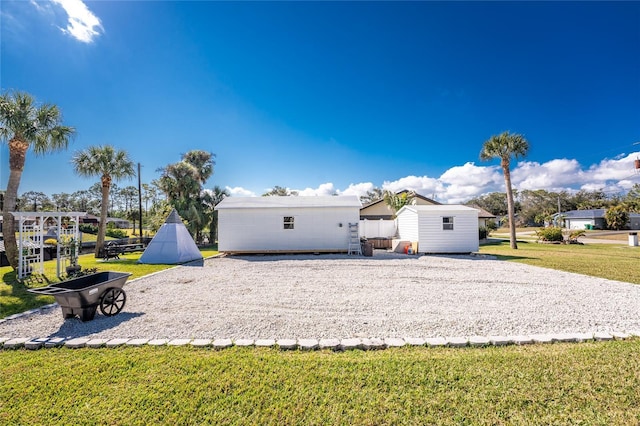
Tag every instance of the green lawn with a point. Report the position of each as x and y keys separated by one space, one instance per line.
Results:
x=616 y=262
x=588 y=383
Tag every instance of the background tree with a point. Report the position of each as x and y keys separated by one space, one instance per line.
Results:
x=632 y=200
x=503 y=147
x=372 y=195
x=34 y=201
x=396 y=201
x=23 y=126
x=494 y=202
x=109 y=164
x=279 y=191
x=62 y=202
x=183 y=182
x=616 y=217
x=212 y=198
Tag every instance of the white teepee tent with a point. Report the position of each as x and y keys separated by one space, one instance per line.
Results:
x=172 y=244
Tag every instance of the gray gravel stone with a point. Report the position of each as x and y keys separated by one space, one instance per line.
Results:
x=434 y=342
x=55 y=342
x=16 y=343
x=244 y=342
x=287 y=344
x=479 y=341
x=333 y=344
x=113 y=343
x=500 y=340
x=222 y=343
x=350 y=344
x=308 y=344
x=339 y=296
x=77 y=343
x=97 y=343
x=457 y=342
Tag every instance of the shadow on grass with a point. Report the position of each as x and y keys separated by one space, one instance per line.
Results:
x=73 y=327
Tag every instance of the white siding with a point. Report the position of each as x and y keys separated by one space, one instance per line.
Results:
x=408 y=225
x=261 y=229
x=424 y=225
x=578 y=223
x=462 y=239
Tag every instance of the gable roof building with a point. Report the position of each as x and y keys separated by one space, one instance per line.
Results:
x=378 y=209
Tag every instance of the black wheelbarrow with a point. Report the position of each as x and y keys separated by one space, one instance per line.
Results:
x=83 y=295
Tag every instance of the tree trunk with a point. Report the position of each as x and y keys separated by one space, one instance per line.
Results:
x=17 y=155
x=510 y=206
x=104 y=207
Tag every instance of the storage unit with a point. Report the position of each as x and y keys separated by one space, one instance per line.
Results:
x=286 y=224
x=439 y=228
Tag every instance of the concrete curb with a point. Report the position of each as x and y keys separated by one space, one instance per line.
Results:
x=372 y=343
x=336 y=345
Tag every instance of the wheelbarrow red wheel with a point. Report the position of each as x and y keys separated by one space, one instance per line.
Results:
x=112 y=301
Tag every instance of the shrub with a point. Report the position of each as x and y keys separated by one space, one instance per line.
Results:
x=89 y=229
x=551 y=233
x=482 y=233
x=116 y=233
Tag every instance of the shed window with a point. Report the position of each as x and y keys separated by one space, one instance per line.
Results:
x=288 y=222
x=447 y=223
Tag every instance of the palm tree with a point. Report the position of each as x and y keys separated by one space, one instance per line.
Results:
x=108 y=163
x=25 y=125
x=398 y=200
x=504 y=146
x=211 y=199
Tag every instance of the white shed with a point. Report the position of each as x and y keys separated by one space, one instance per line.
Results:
x=439 y=228
x=286 y=224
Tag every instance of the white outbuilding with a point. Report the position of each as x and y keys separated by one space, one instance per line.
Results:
x=286 y=224
x=439 y=228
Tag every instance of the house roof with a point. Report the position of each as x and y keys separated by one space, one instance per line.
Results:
x=442 y=208
x=289 y=202
x=483 y=214
x=422 y=197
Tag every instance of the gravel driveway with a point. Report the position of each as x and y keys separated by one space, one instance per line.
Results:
x=337 y=296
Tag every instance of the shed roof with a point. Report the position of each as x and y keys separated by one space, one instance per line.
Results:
x=441 y=208
x=289 y=202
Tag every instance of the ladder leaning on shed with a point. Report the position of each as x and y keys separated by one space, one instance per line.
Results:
x=354 y=240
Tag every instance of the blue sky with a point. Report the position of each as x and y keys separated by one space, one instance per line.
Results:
x=325 y=97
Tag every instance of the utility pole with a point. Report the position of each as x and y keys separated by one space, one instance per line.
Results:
x=140 y=199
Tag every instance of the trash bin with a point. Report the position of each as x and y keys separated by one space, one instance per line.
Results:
x=367 y=248
x=633 y=239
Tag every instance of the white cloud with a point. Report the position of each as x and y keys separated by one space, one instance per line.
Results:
x=616 y=169
x=358 y=189
x=82 y=25
x=554 y=175
x=459 y=184
x=421 y=184
x=323 y=189
x=240 y=192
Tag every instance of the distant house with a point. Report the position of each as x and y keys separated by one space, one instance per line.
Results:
x=119 y=223
x=378 y=209
x=593 y=218
x=445 y=228
x=286 y=224
x=89 y=219
x=483 y=217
